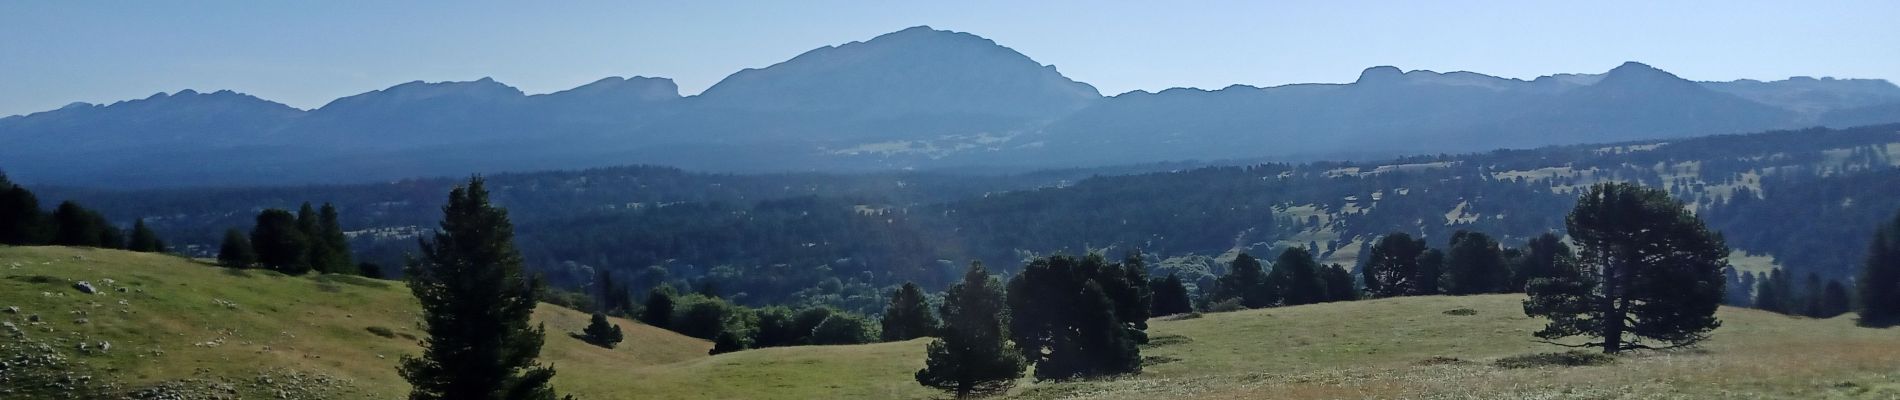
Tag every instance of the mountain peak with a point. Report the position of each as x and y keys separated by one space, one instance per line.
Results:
x=1380 y=74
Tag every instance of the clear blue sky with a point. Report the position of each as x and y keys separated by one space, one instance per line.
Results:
x=306 y=53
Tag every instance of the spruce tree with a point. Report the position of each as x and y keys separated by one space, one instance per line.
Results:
x=236 y=251
x=1339 y=285
x=1431 y=273
x=601 y=332
x=659 y=308
x=280 y=245
x=77 y=226
x=1474 y=265
x=1772 y=294
x=21 y=220
x=1298 y=277
x=476 y=302
x=1170 y=296
x=143 y=239
x=908 y=316
x=1651 y=275
x=330 y=248
x=1835 y=300
x=1127 y=285
x=1391 y=267
x=1880 y=278
x=972 y=355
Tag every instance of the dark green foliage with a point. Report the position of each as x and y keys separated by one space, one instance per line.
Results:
x=1474 y=264
x=1880 y=278
x=601 y=332
x=476 y=302
x=729 y=341
x=1246 y=281
x=1431 y=272
x=777 y=328
x=973 y=355
x=1063 y=320
x=279 y=244
x=77 y=226
x=1650 y=272
x=1391 y=268
x=1776 y=293
x=371 y=270
x=1339 y=285
x=614 y=298
x=1170 y=296
x=1835 y=300
x=658 y=310
x=1541 y=257
x=1127 y=285
x=843 y=328
x=706 y=317
x=21 y=220
x=236 y=251
x=143 y=239
x=808 y=319
x=908 y=316
x=1298 y=278
x=329 y=248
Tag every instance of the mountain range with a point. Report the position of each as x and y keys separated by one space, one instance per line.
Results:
x=919 y=98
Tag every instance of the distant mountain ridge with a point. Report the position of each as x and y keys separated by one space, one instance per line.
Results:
x=918 y=98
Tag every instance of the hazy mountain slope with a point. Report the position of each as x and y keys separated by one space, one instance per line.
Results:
x=915 y=98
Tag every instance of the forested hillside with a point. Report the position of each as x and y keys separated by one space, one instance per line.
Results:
x=1806 y=198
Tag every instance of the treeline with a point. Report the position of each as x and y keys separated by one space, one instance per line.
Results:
x=308 y=241
x=23 y=223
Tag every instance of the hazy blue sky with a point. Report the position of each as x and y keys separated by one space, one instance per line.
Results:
x=306 y=53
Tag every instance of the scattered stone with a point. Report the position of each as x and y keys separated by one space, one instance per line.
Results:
x=13 y=309
x=85 y=287
x=123 y=289
x=33 y=318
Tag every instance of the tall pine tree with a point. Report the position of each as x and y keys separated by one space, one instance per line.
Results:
x=1170 y=296
x=21 y=220
x=476 y=301
x=1880 y=278
x=1065 y=322
x=908 y=316
x=1298 y=278
x=143 y=239
x=973 y=355
x=1247 y=281
x=280 y=245
x=1651 y=276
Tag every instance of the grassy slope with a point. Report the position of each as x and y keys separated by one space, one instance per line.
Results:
x=172 y=317
x=1342 y=350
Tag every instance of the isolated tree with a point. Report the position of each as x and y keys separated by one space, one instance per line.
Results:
x=1431 y=273
x=601 y=332
x=236 y=250
x=1391 y=267
x=279 y=244
x=972 y=355
x=1880 y=278
x=1650 y=273
x=1066 y=324
x=1339 y=285
x=908 y=316
x=143 y=239
x=1474 y=265
x=21 y=220
x=1298 y=277
x=1540 y=257
x=1247 y=281
x=1170 y=296
x=476 y=302
x=659 y=307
